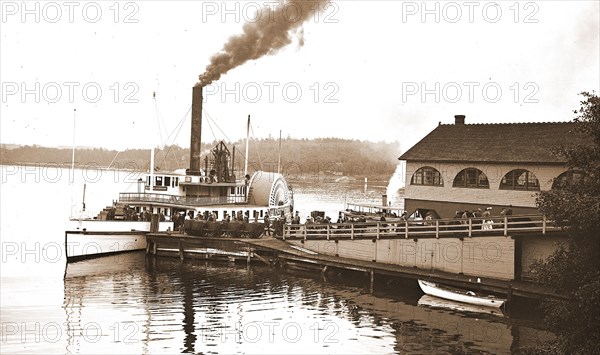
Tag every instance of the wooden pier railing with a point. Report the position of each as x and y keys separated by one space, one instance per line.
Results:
x=437 y=228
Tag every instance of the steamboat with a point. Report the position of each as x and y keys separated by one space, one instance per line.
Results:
x=210 y=190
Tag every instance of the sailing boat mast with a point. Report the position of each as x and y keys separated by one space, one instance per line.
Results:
x=73 y=151
x=247 y=141
x=83 y=199
x=72 y=176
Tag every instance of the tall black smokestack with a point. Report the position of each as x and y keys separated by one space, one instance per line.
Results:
x=195 y=140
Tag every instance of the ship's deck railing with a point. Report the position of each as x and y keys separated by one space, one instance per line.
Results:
x=179 y=200
x=437 y=228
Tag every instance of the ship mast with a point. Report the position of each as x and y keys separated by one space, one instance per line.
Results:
x=152 y=154
x=152 y=169
x=279 y=153
x=247 y=141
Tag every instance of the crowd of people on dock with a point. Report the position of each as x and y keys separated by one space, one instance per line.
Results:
x=211 y=216
x=481 y=217
x=274 y=224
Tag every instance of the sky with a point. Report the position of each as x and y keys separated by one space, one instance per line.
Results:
x=367 y=70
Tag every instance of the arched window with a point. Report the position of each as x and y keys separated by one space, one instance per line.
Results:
x=471 y=178
x=520 y=179
x=566 y=178
x=427 y=176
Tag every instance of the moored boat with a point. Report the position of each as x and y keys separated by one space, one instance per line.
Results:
x=445 y=292
x=209 y=190
x=373 y=212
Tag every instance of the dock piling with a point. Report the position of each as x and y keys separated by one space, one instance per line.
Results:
x=154 y=223
x=181 y=256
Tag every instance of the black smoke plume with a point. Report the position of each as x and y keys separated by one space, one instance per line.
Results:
x=273 y=30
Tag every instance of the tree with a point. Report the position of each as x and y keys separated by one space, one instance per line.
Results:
x=574 y=269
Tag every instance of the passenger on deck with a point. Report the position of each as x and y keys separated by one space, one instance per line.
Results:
x=465 y=217
x=382 y=219
x=506 y=211
x=296 y=219
x=487 y=221
x=267 y=224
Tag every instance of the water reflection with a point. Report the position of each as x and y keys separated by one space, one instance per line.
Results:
x=435 y=302
x=138 y=305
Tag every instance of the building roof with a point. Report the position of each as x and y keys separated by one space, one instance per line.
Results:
x=498 y=143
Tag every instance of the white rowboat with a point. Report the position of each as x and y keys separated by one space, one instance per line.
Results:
x=469 y=297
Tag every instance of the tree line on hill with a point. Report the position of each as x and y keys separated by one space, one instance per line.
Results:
x=299 y=157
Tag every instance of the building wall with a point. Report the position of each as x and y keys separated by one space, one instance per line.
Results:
x=483 y=197
x=491 y=257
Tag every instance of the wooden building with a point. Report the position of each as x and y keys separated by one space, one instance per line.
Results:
x=460 y=166
x=463 y=166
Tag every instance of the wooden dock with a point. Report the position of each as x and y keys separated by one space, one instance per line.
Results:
x=367 y=248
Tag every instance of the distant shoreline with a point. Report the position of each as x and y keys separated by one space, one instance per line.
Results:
x=68 y=166
x=305 y=178
x=333 y=157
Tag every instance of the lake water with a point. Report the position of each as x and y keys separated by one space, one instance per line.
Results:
x=133 y=304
